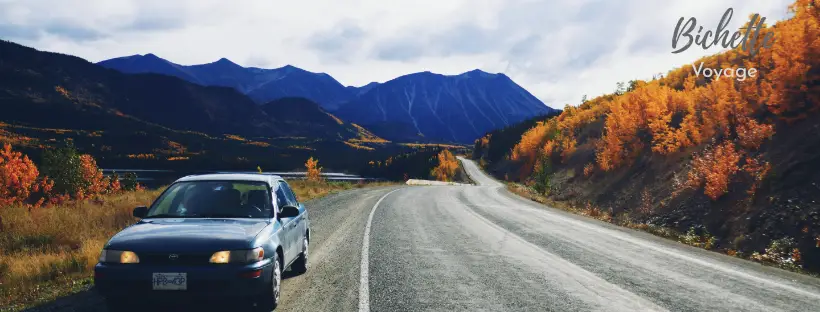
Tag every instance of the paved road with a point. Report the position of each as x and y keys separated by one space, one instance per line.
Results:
x=480 y=248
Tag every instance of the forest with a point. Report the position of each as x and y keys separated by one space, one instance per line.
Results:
x=732 y=161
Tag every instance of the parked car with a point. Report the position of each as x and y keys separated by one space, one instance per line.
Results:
x=208 y=236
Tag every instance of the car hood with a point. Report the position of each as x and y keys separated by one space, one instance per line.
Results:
x=188 y=235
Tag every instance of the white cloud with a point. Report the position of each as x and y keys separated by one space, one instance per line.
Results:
x=558 y=50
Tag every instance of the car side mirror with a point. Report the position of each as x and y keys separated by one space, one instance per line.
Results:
x=289 y=212
x=140 y=212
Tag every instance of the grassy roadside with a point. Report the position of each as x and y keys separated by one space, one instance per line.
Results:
x=774 y=256
x=48 y=253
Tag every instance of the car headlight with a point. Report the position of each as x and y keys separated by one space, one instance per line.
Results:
x=238 y=256
x=118 y=256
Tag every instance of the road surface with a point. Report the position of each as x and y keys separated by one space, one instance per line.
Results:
x=481 y=248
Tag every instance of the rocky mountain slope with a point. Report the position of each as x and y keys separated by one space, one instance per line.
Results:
x=262 y=85
x=417 y=107
x=428 y=106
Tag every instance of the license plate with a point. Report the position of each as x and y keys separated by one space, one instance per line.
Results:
x=170 y=281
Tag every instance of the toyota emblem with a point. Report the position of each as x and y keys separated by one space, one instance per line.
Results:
x=173 y=256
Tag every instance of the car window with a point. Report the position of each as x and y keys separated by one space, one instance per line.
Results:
x=214 y=199
x=281 y=198
x=171 y=200
x=289 y=193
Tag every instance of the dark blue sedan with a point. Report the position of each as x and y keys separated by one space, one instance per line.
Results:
x=208 y=236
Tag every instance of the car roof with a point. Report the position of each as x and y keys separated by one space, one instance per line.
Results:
x=253 y=177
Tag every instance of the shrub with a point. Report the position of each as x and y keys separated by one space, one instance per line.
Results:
x=129 y=182
x=314 y=172
x=714 y=169
x=589 y=169
x=64 y=166
x=446 y=168
x=543 y=175
x=704 y=240
x=75 y=175
x=19 y=179
x=782 y=252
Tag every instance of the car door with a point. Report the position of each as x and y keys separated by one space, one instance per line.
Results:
x=288 y=224
x=292 y=224
x=301 y=220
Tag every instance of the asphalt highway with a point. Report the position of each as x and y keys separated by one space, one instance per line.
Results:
x=481 y=248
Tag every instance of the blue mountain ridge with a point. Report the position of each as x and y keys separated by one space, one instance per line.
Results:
x=422 y=106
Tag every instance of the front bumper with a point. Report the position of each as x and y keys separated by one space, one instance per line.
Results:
x=212 y=281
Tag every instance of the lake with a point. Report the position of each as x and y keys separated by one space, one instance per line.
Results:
x=156 y=178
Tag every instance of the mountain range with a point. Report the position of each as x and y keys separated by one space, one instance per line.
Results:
x=261 y=85
x=419 y=107
x=458 y=108
x=52 y=90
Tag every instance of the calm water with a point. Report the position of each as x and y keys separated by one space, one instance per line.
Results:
x=155 y=178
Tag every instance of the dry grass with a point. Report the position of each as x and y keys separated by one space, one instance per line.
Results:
x=58 y=244
x=51 y=252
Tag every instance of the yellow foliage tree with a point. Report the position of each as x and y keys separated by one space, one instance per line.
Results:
x=714 y=169
x=314 y=172
x=446 y=168
x=793 y=87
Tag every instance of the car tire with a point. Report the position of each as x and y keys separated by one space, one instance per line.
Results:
x=269 y=299
x=300 y=266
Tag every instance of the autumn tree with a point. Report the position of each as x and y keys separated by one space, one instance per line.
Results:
x=19 y=178
x=64 y=166
x=793 y=86
x=314 y=172
x=714 y=169
x=447 y=166
x=526 y=151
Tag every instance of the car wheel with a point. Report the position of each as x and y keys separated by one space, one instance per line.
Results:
x=269 y=299
x=301 y=264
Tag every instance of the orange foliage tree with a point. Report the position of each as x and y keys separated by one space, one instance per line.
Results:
x=21 y=182
x=714 y=169
x=96 y=183
x=527 y=150
x=314 y=172
x=793 y=87
x=19 y=178
x=446 y=168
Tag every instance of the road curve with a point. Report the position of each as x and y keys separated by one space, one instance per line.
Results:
x=481 y=248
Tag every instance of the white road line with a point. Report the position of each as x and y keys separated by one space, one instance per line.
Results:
x=364 y=275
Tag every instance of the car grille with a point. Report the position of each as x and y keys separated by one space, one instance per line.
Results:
x=180 y=259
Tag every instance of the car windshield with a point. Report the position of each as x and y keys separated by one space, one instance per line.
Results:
x=214 y=199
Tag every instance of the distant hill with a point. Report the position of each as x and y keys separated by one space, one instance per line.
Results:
x=45 y=89
x=163 y=122
x=310 y=119
x=433 y=107
x=262 y=85
x=420 y=107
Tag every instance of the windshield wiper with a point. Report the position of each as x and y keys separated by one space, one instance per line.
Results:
x=164 y=215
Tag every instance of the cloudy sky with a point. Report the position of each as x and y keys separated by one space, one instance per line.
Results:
x=559 y=50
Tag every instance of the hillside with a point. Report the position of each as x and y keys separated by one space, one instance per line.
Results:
x=157 y=121
x=733 y=164
x=496 y=145
x=304 y=114
x=60 y=91
x=434 y=107
x=261 y=85
x=420 y=107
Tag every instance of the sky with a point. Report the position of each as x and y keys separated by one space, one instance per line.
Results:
x=558 y=50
